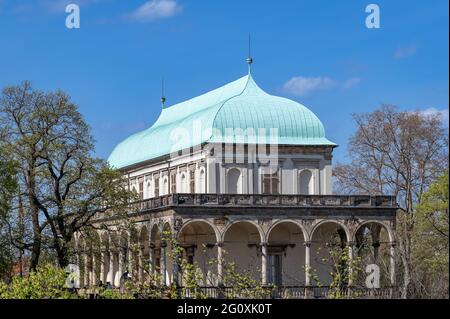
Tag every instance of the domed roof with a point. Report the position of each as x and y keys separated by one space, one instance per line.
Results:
x=234 y=113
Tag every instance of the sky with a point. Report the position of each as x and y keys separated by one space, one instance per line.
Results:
x=319 y=53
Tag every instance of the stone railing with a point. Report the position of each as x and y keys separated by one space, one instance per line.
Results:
x=290 y=292
x=236 y=200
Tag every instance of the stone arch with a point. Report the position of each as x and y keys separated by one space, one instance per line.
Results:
x=198 y=238
x=198 y=220
x=329 y=239
x=286 y=253
x=258 y=227
x=280 y=221
x=379 y=222
x=242 y=241
x=325 y=221
x=155 y=234
x=373 y=241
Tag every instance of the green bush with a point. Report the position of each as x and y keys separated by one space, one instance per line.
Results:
x=47 y=282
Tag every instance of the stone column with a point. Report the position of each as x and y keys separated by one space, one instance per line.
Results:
x=110 y=277
x=219 y=263
x=102 y=266
x=264 y=264
x=94 y=269
x=78 y=263
x=141 y=264
x=86 y=270
x=163 y=263
x=392 y=263
x=307 y=263
x=351 y=252
x=151 y=262
x=129 y=259
x=175 y=268
x=121 y=263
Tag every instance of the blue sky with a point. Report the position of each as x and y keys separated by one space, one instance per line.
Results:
x=319 y=53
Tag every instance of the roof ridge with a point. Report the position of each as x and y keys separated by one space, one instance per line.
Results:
x=249 y=76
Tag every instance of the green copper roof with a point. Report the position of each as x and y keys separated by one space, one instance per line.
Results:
x=227 y=114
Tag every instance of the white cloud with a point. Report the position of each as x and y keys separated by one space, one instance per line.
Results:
x=154 y=10
x=299 y=85
x=351 y=83
x=434 y=111
x=404 y=52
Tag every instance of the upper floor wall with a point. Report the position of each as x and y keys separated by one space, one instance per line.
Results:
x=289 y=170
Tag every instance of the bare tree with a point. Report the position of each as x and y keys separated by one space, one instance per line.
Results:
x=397 y=153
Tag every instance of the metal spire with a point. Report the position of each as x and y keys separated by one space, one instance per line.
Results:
x=249 y=58
x=163 y=98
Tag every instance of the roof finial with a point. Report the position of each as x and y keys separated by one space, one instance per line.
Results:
x=249 y=58
x=163 y=98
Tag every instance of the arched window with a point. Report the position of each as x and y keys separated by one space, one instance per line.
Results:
x=183 y=183
x=149 y=189
x=192 y=181
x=165 y=189
x=306 y=185
x=156 y=185
x=234 y=181
x=201 y=187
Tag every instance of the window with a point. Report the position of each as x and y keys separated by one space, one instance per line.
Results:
x=202 y=181
x=173 y=182
x=306 y=182
x=270 y=183
x=192 y=181
x=141 y=188
x=183 y=183
x=156 y=182
x=165 y=189
x=234 y=181
x=275 y=273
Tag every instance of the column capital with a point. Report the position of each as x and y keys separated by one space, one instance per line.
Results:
x=393 y=244
x=307 y=243
x=219 y=244
x=264 y=244
x=351 y=243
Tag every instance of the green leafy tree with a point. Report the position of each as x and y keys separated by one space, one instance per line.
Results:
x=8 y=187
x=431 y=249
x=62 y=185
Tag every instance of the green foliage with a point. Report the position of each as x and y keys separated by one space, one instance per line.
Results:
x=8 y=186
x=431 y=239
x=47 y=282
